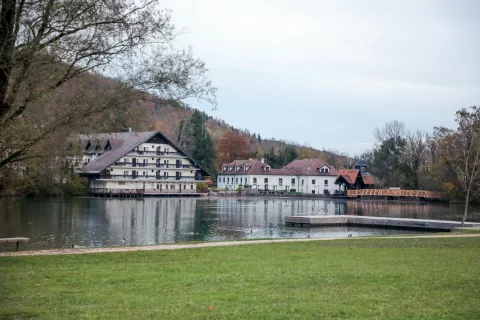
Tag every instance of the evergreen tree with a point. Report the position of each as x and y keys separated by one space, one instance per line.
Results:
x=200 y=145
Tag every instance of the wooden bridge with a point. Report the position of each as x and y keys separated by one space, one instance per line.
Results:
x=395 y=193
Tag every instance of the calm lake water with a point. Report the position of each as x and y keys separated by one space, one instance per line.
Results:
x=93 y=222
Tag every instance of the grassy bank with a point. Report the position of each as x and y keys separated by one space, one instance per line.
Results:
x=355 y=279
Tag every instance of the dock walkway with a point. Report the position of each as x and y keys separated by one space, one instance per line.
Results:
x=310 y=221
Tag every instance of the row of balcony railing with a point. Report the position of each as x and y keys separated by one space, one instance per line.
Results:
x=147 y=177
x=107 y=191
x=153 y=165
x=158 y=153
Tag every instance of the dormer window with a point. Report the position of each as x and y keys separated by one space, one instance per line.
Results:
x=230 y=168
x=237 y=168
x=267 y=168
x=324 y=169
x=224 y=168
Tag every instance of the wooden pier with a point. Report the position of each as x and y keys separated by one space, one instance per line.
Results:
x=382 y=222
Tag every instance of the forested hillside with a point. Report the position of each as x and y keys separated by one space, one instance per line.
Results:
x=166 y=117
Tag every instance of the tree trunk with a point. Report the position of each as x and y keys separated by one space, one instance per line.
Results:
x=466 y=207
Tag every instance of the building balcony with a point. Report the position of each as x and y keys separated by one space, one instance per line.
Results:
x=153 y=165
x=108 y=191
x=149 y=178
x=157 y=153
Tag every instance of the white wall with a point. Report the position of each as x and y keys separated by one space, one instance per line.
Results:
x=310 y=183
x=120 y=174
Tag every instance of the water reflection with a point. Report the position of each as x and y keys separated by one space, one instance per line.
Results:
x=55 y=222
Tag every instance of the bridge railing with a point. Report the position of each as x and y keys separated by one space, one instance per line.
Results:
x=395 y=193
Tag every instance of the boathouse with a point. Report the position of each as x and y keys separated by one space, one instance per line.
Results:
x=358 y=178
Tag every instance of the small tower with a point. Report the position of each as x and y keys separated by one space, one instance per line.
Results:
x=361 y=165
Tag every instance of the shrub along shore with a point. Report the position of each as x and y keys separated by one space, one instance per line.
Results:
x=355 y=279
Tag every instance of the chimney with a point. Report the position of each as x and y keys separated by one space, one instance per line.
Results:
x=262 y=161
x=129 y=129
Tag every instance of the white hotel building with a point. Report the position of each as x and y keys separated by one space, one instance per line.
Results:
x=311 y=176
x=147 y=161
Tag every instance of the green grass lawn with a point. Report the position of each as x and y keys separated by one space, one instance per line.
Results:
x=342 y=279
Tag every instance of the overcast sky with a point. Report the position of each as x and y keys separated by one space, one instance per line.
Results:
x=327 y=73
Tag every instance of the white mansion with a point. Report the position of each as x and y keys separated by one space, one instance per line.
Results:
x=307 y=176
x=146 y=161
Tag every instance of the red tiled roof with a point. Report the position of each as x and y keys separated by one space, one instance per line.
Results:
x=254 y=167
x=308 y=167
x=349 y=175
x=368 y=178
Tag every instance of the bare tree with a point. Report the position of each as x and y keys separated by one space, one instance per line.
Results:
x=391 y=130
x=46 y=46
x=460 y=151
x=413 y=154
x=336 y=158
x=388 y=151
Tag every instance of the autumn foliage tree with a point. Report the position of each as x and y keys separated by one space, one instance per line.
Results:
x=459 y=151
x=232 y=146
x=49 y=47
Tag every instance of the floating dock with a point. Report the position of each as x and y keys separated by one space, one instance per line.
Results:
x=380 y=222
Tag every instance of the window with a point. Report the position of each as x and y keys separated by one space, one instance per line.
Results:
x=302 y=182
x=228 y=179
x=254 y=180
x=293 y=181
x=224 y=168
x=266 y=180
x=326 y=182
x=313 y=181
x=280 y=181
x=184 y=186
x=241 y=180
x=172 y=186
x=223 y=179
x=88 y=160
x=191 y=186
x=153 y=147
x=125 y=160
x=145 y=148
x=121 y=183
x=236 y=180
x=158 y=186
x=166 y=186
x=143 y=172
x=165 y=174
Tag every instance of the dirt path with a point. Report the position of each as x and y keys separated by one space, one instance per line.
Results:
x=207 y=245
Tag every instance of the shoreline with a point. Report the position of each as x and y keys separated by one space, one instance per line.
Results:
x=50 y=252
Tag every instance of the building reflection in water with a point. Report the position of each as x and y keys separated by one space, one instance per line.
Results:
x=56 y=222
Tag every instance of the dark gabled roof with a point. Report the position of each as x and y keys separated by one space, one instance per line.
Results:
x=121 y=144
